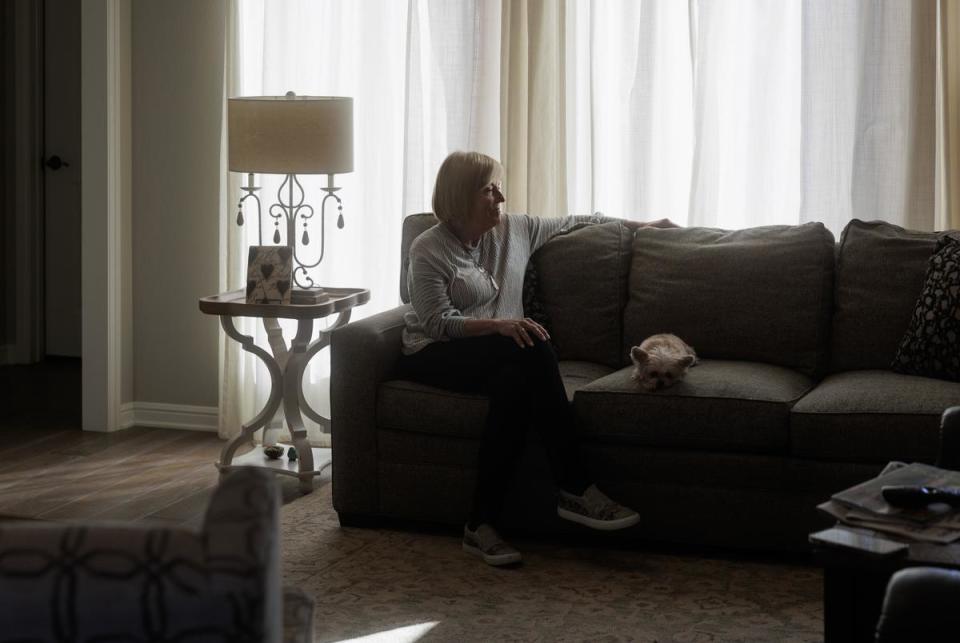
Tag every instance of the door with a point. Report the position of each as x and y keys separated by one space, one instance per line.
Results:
x=61 y=117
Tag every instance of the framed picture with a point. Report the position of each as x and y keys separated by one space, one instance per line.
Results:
x=269 y=269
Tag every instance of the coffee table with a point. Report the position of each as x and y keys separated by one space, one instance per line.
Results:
x=854 y=584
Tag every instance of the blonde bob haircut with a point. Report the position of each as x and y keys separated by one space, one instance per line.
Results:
x=461 y=176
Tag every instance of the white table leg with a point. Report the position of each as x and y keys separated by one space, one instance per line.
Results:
x=292 y=363
x=273 y=402
x=278 y=346
x=292 y=396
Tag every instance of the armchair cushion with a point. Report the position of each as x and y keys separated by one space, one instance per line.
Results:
x=102 y=581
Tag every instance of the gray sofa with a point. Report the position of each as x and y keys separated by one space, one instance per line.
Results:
x=793 y=398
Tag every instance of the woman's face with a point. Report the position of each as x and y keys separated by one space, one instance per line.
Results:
x=486 y=206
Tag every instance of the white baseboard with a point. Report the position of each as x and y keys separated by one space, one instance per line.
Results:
x=126 y=415
x=169 y=416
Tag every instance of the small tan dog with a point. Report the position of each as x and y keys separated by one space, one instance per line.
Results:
x=661 y=361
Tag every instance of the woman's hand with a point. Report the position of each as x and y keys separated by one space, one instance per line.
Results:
x=659 y=223
x=522 y=331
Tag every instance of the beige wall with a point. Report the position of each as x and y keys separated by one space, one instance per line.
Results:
x=177 y=83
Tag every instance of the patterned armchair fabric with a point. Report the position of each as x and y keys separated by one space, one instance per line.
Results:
x=129 y=582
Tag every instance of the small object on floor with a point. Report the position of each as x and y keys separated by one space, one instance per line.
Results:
x=273 y=452
x=292 y=454
x=486 y=543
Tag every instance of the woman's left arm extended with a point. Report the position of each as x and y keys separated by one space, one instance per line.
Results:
x=543 y=228
x=659 y=223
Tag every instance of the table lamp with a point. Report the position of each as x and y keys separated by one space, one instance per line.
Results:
x=291 y=135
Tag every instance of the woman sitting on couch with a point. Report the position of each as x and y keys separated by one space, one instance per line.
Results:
x=467 y=333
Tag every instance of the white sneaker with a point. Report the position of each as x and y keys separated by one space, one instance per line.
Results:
x=595 y=510
x=486 y=543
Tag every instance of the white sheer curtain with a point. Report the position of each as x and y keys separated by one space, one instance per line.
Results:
x=629 y=109
x=736 y=113
x=726 y=113
x=424 y=76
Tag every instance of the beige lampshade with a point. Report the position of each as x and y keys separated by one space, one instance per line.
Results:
x=290 y=134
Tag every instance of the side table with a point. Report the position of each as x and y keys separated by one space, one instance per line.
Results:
x=286 y=366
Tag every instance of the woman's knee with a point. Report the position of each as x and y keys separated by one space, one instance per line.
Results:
x=532 y=363
x=540 y=359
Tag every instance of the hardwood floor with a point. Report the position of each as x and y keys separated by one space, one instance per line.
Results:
x=52 y=470
x=139 y=474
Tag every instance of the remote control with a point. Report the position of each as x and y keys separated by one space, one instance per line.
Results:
x=916 y=496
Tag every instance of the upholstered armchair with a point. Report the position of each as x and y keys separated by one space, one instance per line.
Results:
x=135 y=582
x=921 y=605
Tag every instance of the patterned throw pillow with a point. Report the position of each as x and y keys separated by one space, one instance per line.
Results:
x=532 y=305
x=931 y=346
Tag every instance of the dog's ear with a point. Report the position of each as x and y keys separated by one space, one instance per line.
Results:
x=638 y=355
x=687 y=361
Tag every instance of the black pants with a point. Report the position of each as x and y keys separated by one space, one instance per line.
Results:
x=525 y=390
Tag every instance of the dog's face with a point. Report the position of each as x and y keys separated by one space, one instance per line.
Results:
x=654 y=371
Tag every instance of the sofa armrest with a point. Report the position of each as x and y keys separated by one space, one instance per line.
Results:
x=362 y=355
x=920 y=604
x=949 y=456
x=130 y=581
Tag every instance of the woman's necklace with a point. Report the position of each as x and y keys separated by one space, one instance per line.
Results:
x=476 y=255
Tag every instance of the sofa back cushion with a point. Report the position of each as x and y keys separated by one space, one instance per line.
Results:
x=581 y=288
x=880 y=273
x=413 y=226
x=761 y=294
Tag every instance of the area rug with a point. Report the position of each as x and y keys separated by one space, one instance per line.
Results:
x=388 y=585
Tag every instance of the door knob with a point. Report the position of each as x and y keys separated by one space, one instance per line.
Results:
x=55 y=163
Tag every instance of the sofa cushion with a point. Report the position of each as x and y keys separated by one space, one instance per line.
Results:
x=880 y=270
x=413 y=226
x=931 y=346
x=582 y=288
x=760 y=295
x=408 y=406
x=871 y=416
x=720 y=405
